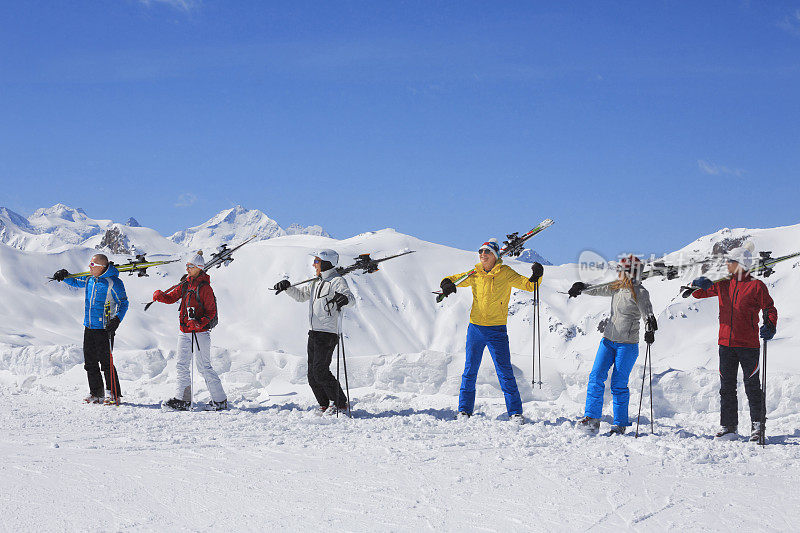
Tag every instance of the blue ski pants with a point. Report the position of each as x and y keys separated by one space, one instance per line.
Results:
x=622 y=356
x=496 y=339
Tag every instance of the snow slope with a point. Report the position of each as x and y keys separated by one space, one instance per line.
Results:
x=402 y=463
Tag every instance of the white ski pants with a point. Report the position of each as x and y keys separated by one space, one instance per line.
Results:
x=202 y=357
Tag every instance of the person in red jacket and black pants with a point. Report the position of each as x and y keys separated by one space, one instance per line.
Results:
x=197 y=314
x=741 y=297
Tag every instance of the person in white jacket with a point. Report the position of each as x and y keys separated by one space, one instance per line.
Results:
x=326 y=296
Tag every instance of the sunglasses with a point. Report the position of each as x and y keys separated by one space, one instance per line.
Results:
x=485 y=251
x=317 y=261
x=191 y=265
x=92 y=264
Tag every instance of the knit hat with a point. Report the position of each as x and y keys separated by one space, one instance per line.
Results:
x=197 y=260
x=741 y=255
x=492 y=246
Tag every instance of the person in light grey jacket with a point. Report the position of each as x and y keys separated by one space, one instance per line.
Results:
x=326 y=296
x=630 y=303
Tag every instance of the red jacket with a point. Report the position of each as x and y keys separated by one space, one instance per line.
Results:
x=194 y=293
x=739 y=304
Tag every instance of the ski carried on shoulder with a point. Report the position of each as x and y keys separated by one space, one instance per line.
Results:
x=513 y=246
x=657 y=268
x=138 y=266
x=223 y=256
x=363 y=263
x=764 y=268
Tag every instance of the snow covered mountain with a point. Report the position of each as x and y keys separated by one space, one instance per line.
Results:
x=235 y=225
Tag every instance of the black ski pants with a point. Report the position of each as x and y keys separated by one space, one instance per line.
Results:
x=729 y=361
x=321 y=345
x=97 y=345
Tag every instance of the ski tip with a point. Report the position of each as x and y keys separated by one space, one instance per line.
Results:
x=547 y=222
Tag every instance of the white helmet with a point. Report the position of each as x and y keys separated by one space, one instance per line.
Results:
x=327 y=254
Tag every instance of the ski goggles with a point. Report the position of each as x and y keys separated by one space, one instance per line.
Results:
x=191 y=265
x=92 y=264
x=317 y=261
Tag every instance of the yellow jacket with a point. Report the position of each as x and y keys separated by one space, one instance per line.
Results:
x=491 y=291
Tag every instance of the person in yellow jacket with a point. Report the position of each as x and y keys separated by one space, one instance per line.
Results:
x=491 y=288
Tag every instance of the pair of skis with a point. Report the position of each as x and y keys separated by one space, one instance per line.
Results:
x=513 y=246
x=138 y=266
x=363 y=263
x=764 y=268
x=223 y=256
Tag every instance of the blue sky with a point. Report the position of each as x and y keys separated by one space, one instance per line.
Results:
x=636 y=126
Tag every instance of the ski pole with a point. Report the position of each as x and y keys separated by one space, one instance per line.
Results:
x=344 y=363
x=191 y=363
x=537 y=331
x=763 y=437
x=647 y=359
x=112 y=371
x=338 y=383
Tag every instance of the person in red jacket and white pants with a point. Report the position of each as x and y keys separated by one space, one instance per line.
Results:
x=741 y=297
x=197 y=314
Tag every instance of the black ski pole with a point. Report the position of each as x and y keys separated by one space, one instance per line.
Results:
x=191 y=386
x=338 y=383
x=763 y=437
x=346 y=384
x=539 y=331
x=641 y=392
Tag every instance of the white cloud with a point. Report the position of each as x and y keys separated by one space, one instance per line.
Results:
x=182 y=5
x=791 y=23
x=716 y=170
x=186 y=199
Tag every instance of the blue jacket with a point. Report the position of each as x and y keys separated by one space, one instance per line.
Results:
x=105 y=290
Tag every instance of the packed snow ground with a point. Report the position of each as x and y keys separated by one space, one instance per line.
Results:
x=402 y=463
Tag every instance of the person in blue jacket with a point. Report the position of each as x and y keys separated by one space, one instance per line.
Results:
x=106 y=304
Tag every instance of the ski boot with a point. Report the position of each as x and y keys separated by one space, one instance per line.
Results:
x=726 y=433
x=463 y=416
x=517 y=418
x=589 y=425
x=176 y=405
x=217 y=406
x=332 y=410
x=617 y=430
x=757 y=432
x=93 y=399
x=111 y=399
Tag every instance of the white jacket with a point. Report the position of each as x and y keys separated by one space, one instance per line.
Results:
x=323 y=317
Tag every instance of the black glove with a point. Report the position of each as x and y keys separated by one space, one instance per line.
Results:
x=448 y=287
x=538 y=271
x=576 y=289
x=649 y=337
x=652 y=324
x=282 y=285
x=61 y=275
x=339 y=300
x=113 y=324
x=767 y=331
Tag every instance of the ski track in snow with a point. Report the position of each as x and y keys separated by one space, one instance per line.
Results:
x=402 y=464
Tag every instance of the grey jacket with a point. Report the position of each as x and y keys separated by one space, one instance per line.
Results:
x=623 y=326
x=321 y=316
